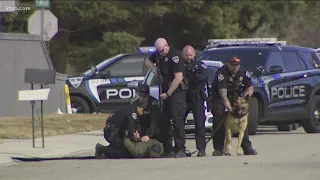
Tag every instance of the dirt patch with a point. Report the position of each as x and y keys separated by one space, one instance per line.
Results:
x=21 y=127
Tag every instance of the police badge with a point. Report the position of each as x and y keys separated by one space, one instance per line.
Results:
x=166 y=59
x=134 y=116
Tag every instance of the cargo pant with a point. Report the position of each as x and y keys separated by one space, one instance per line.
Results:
x=149 y=149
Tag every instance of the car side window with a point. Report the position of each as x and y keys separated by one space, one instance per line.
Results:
x=152 y=80
x=312 y=58
x=128 y=66
x=292 y=61
x=275 y=60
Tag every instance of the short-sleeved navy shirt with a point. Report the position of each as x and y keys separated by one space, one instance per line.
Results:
x=171 y=63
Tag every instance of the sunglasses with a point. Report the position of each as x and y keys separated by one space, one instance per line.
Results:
x=162 y=49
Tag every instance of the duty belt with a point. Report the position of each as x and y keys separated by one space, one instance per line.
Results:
x=110 y=127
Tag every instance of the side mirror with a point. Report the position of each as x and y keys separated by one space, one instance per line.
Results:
x=94 y=70
x=133 y=84
x=105 y=75
x=275 y=69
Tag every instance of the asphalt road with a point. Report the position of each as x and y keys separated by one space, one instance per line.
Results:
x=292 y=155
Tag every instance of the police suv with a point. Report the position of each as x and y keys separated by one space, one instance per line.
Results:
x=286 y=80
x=103 y=88
x=153 y=82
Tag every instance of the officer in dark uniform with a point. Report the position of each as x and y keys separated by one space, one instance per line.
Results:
x=117 y=125
x=229 y=79
x=149 y=121
x=197 y=77
x=172 y=93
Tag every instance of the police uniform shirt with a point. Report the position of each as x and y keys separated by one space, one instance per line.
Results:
x=169 y=64
x=124 y=119
x=149 y=119
x=240 y=81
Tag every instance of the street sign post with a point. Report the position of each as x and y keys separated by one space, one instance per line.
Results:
x=43 y=3
x=48 y=29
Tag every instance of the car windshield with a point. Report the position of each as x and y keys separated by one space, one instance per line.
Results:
x=152 y=80
x=250 y=58
x=100 y=65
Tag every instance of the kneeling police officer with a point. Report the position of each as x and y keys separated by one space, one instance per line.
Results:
x=117 y=126
x=149 y=121
x=197 y=78
x=146 y=144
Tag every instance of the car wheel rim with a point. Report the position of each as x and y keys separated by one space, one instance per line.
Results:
x=77 y=107
x=316 y=114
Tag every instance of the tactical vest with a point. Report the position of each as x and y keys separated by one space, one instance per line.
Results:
x=235 y=85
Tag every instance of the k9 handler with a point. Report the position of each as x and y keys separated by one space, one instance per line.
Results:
x=171 y=74
x=229 y=79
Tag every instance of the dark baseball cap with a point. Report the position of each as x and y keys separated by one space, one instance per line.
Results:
x=143 y=88
x=234 y=60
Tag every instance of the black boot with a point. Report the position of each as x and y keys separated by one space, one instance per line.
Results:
x=250 y=151
x=217 y=153
x=201 y=153
x=180 y=153
x=99 y=154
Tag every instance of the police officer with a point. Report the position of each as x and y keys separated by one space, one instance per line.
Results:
x=229 y=79
x=146 y=126
x=173 y=94
x=197 y=77
x=117 y=125
x=149 y=121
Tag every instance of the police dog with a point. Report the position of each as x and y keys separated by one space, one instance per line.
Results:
x=236 y=122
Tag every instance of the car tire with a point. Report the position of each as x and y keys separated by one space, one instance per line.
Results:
x=78 y=101
x=253 y=117
x=284 y=127
x=310 y=125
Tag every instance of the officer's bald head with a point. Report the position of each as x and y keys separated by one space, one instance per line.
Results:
x=161 y=46
x=189 y=53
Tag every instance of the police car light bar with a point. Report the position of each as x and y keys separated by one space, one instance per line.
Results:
x=242 y=40
x=146 y=49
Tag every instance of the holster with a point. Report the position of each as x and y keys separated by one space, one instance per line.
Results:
x=110 y=132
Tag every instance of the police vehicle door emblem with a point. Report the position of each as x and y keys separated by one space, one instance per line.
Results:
x=220 y=77
x=75 y=82
x=134 y=116
x=175 y=59
x=166 y=59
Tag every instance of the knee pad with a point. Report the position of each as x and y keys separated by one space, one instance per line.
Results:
x=155 y=150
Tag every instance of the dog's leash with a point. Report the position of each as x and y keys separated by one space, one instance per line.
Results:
x=189 y=154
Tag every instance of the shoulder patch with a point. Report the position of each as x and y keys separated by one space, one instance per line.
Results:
x=134 y=116
x=204 y=66
x=248 y=74
x=220 y=77
x=175 y=59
